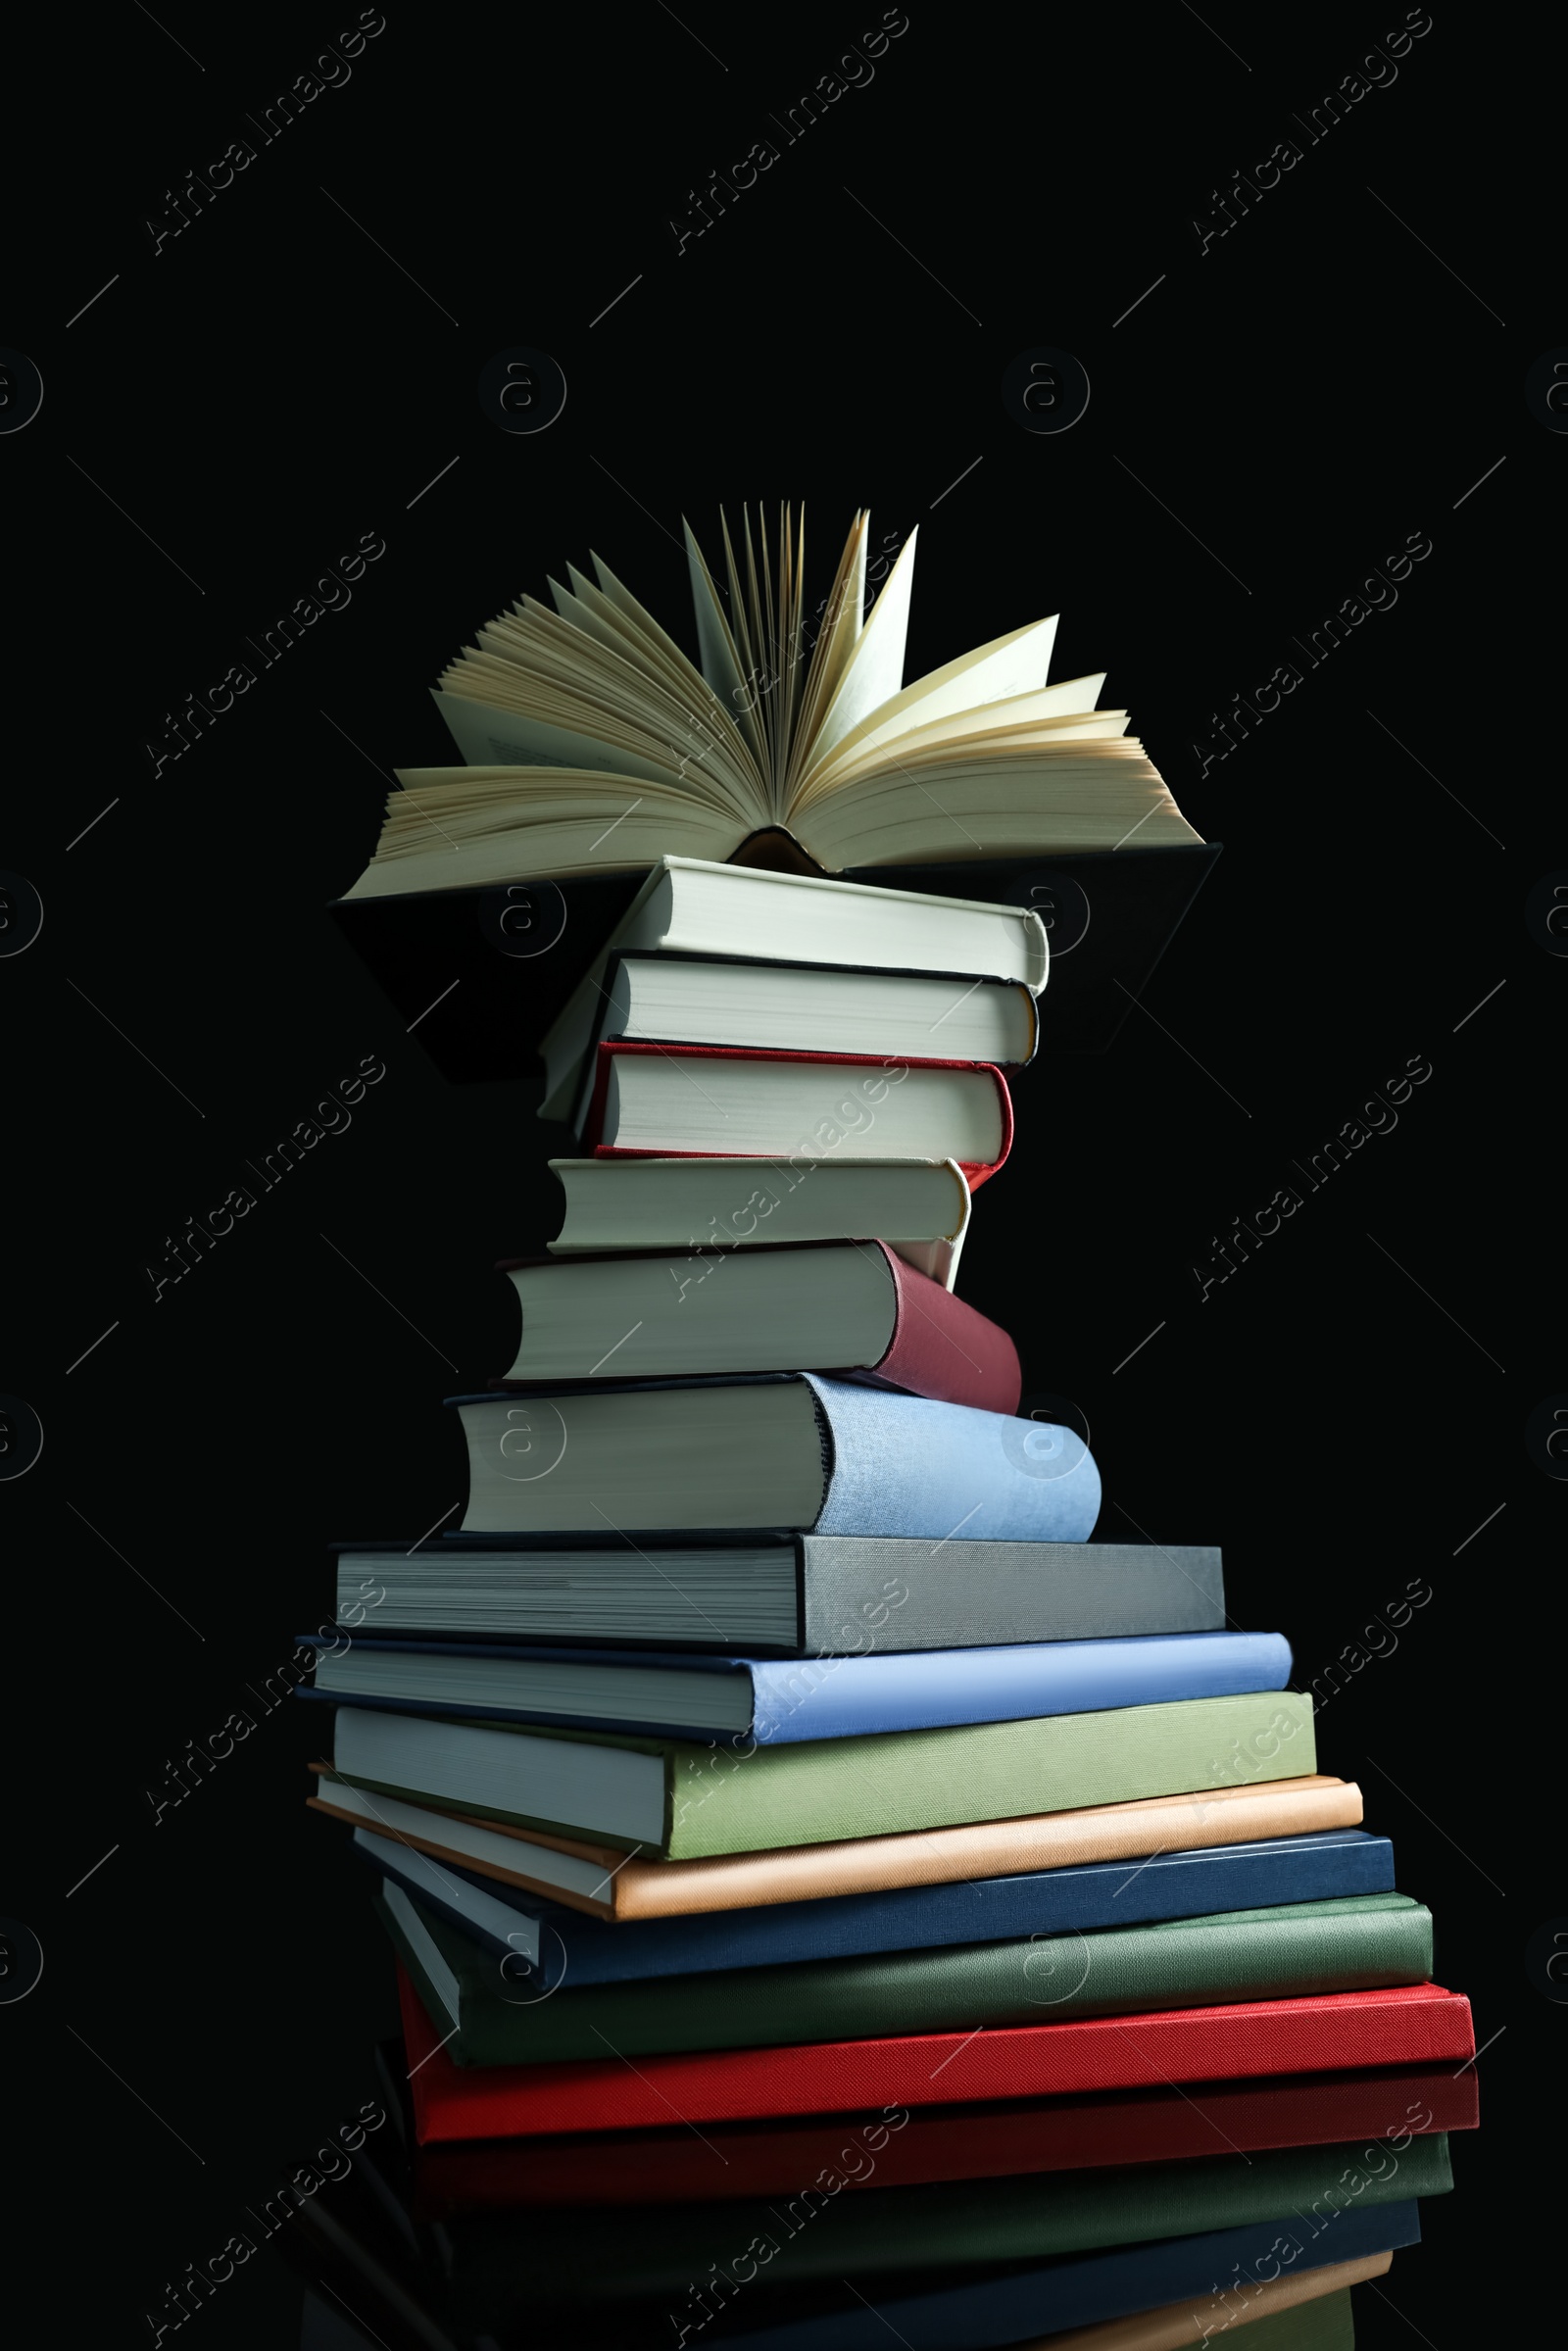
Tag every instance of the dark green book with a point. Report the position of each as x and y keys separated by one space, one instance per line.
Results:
x=690 y=1801
x=1351 y=1944
x=502 y=2264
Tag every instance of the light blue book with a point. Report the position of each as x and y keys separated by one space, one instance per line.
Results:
x=774 y=1701
x=788 y=1450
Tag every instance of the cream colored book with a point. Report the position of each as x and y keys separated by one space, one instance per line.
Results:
x=594 y=743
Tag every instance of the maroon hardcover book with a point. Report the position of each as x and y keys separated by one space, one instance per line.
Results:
x=918 y=2146
x=940 y=1347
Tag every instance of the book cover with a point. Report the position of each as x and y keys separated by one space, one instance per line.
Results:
x=500 y=2261
x=790 y=1449
x=1351 y=1944
x=895 y=2147
x=1017 y=2306
x=1404 y=2025
x=560 y=1945
x=767 y=1593
x=688 y=1802
x=936 y=1346
x=606 y=1881
x=766 y=1701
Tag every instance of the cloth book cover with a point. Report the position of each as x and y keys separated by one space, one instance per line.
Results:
x=688 y=1802
x=773 y=1702
x=939 y=1346
x=1303 y=1948
x=500 y=2261
x=898 y=2145
x=880 y=1463
x=1019 y=2306
x=561 y=1946
x=606 y=1882
x=1406 y=2025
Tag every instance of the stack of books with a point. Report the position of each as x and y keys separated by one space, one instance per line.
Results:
x=831 y=1894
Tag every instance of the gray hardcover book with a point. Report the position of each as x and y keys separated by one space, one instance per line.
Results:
x=770 y=1594
x=904 y=1592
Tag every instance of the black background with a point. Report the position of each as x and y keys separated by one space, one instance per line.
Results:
x=223 y=423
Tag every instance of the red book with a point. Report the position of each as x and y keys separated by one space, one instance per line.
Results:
x=851 y=1110
x=935 y=2142
x=940 y=1347
x=943 y=1348
x=1415 y=2024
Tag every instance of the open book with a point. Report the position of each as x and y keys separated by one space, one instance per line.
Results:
x=595 y=745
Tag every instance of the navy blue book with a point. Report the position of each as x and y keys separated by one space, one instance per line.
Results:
x=771 y=1701
x=1078 y=2289
x=550 y=1945
x=771 y=1450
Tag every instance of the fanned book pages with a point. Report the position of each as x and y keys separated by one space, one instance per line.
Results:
x=594 y=743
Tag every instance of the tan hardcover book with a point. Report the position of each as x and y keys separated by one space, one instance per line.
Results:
x=610 y=1884
x=1181 y=2326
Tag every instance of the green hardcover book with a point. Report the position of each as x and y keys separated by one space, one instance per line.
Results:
x=1323 y=2324
x=1345 y=1945
x=688 y=1802
x=506 y=2262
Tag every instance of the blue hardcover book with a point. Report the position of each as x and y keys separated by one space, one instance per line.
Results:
x=789 y=1450
x=552 y=1945
x=772 y=1702
x=1083 y=2289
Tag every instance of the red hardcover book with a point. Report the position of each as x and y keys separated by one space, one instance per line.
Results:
x=931 y=2143
x=940 y=1347
x=943 y=1348
x=809 y=1144
x=1416 y=2024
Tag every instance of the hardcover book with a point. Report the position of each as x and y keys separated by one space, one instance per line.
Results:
x=899 y=2146
x=918 y=1207
x=556 y=1945
x=501 y=2260
x=818 y=1595
x=606 y=1882
x=688 y=1802
x=1404 y=2025
x=1351 y=1944
x=485 y=972
x=788 y=1449
x=1089 y=2293
x=662 y=1100
x=756 y=1701
x=854 y=1306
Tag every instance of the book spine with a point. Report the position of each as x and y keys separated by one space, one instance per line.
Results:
x=1424 y=2025
x=919 y=1689
x=943 y=1348
x=905 y=1465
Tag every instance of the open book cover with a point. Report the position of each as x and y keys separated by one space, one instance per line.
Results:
x=592 y=744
